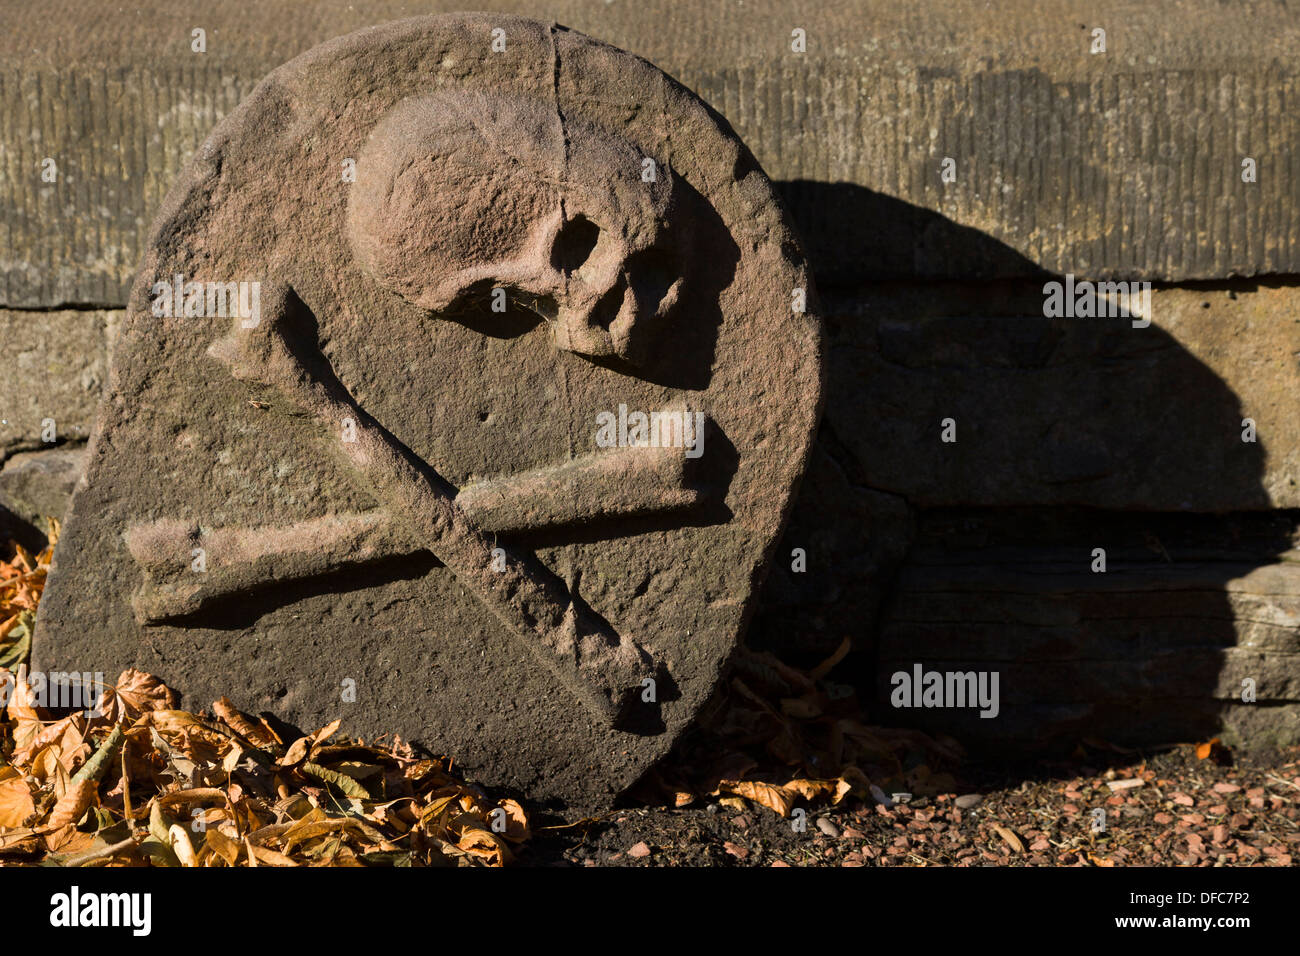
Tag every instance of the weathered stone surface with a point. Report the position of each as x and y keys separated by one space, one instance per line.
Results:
x=1122 y=163
x=1154 y=650
x=835 y=564
x=396 y=490
x=36 y=485
x=1083 y=412
x=56 y=367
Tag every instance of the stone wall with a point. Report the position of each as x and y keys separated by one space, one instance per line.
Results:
x=1072 y=434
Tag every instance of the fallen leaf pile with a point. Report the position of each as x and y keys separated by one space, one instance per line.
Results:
x=22 y=580
x=779 y=736
x=144 y=783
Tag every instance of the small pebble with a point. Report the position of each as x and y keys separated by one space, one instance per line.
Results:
x=968 y=800
x=830 y=829
x=639 y=851
x=736 y=850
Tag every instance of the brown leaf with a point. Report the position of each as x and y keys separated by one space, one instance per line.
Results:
x=189 y=737
x=308 y=829
x=485 y=844
x=777 y=799
x=516 y=822
x=1010 y=837
x=852 y=781
x=326 y=732
x=1209 y=748
x=141 y=692
x=22 y=711
x=16 y=804
x=72 y=806
x=19 y=841
x=223 y=846
x=812 y=789
x=271 y=857
x=253 y=733
x=298 y=751
x=64 y=736
x=181 y=845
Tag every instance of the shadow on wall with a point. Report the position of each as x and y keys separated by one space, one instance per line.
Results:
x=1071 y=435
x=850 y=233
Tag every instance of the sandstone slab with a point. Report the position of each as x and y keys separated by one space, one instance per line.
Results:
x=1079 y=412
x=1127 y=162
x=1190 y=614
x=402 y=479
x=56 y=368
x=35 y=485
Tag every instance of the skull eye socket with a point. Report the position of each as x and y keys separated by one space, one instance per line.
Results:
x=574 y=243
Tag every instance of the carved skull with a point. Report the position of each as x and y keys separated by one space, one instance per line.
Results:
x=459 y=194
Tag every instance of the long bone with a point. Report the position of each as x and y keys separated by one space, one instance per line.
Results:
x=602 y=669
x=627 y=483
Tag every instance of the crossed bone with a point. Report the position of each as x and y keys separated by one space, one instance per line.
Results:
x=420 y=511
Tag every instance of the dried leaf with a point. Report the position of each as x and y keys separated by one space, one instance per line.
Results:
x=253 y=733
x=223 y=846
x=485 y=844
x=812 y=789
x=141 y=692
x=298 y=751
x=271 y=857
x=22 y=711
x=84 y=786
x=853 y=782
x=517 y=830
x=25 y=840
x=71 y=807
x=340 y=780
x=1010 y=837
x=306 y=830
x=179 y=840
x=16 y=644
x=777 y=799
x=16 y=804
x=1209 y=748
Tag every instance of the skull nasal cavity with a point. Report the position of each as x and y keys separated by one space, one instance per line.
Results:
x=574 y=243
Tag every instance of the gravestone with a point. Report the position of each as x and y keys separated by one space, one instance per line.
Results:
x=464 y=387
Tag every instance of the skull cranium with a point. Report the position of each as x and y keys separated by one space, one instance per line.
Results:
x=457 y=195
